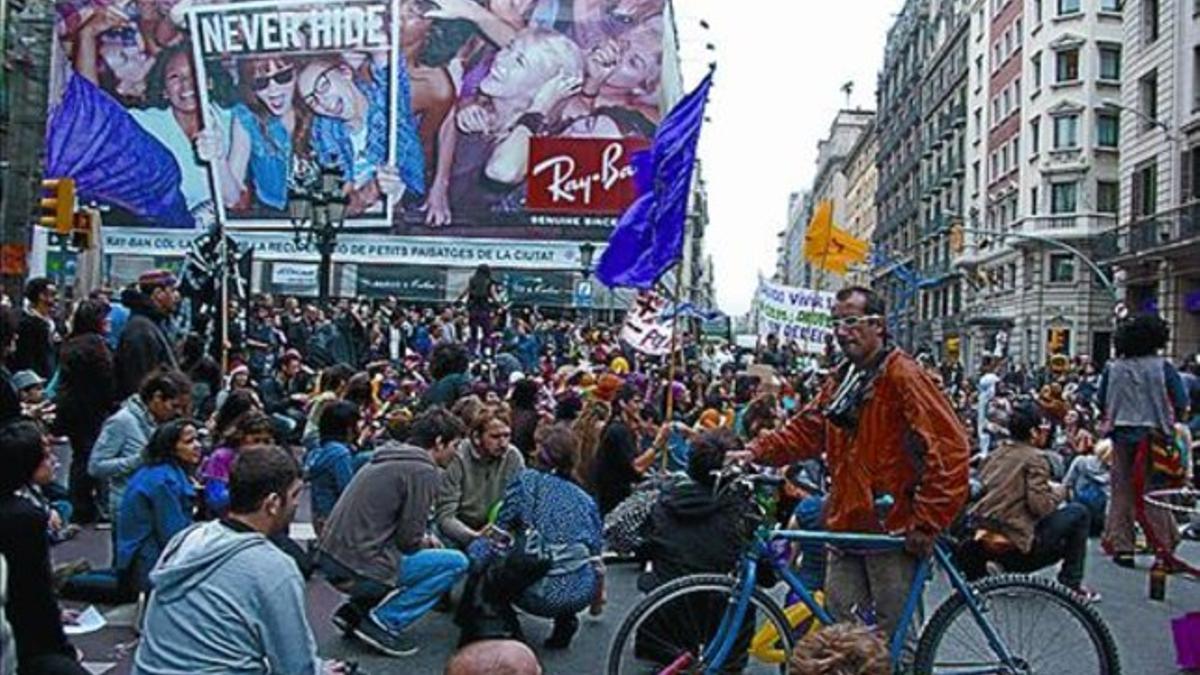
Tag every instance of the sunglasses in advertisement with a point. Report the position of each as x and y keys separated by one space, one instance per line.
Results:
x=281 y=77
x=854 y=321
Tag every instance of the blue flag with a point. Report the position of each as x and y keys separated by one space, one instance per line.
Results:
x=648 y=239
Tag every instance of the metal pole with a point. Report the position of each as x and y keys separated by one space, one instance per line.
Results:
x=224 y=297
x=1104 y=278
x=669 y=415
x=326 y=245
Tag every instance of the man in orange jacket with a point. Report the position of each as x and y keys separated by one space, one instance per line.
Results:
x=885 y=429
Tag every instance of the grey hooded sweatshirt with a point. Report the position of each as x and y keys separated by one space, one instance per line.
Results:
x=225 y=601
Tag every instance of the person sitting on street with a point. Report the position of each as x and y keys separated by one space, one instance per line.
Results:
x=118 y=450
x=225 y=599
x=1087 y=482
x=252 y=428
x=32 y=609
x=567 y=521
x=330 y=467
x=285 y=395
x=159 y=502
x=693 y=529
x=1021 y=520
x=476 y=477
x=375 y=545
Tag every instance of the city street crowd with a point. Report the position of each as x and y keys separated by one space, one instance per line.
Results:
x=485 y=460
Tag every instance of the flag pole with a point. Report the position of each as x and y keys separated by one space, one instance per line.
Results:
x=669 y=414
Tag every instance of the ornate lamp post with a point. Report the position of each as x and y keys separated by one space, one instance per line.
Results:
x=317 y=210
x=587 y=251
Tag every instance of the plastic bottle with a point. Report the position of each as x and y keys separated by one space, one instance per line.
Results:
x=1158 y=581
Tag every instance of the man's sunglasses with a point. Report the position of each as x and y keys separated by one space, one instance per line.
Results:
x=854 y=321
x=284 y=76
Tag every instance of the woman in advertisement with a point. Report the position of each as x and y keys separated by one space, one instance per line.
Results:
x=350 y=129
x=175 y=122
x=268 y=128
x=520 y=97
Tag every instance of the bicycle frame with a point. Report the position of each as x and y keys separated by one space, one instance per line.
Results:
x=718 y=650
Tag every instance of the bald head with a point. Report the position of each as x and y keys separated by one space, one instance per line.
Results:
x=494 y=657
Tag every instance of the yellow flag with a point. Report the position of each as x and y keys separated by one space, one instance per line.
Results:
x=829 y=247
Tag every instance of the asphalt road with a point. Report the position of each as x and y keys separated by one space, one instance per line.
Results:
x=1141 y=627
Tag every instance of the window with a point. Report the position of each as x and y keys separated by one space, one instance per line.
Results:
x=1068 y=7
x=1007 y=98
x=978 y=123
x=1008 y=43
x=1107 y=130
x=975 y=176
x=1067 y=65
x=1110 y=5
x=1145 y=190
x=1033 y=201
x=1107 y=196
x=1066 y=131
x=1062 y=197
x=1035 y=64
x=1037 y=11
x=1062 y=268
x=1110 y=63
x=996 y=110
x=1017 y=91
x=1148 y=98
x=1196 y=77
x=1004 y=161
x=994 y=166
x=979 y=71
x=1149 y=20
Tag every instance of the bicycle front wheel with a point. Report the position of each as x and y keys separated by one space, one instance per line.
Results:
x=1043 y=625
x=668 y=631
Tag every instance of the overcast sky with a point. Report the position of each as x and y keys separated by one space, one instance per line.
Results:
x=781 y=65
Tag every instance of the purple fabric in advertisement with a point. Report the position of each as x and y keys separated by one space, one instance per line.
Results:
x=92 y=139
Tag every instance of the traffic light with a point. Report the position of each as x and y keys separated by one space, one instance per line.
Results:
x=956 y=238
x=85 y=229
x=1057 y=343
x=58 y=205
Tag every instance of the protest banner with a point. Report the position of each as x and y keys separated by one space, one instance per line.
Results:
x=645 y=328
x=798 y=315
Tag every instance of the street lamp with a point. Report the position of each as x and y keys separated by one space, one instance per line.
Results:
x=587 y=251
x=317 y=210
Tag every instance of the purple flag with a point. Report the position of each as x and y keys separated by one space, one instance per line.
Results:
x=648 y=239
x=92 y=139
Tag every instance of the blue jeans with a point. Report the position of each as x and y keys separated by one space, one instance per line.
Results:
x=424 y=576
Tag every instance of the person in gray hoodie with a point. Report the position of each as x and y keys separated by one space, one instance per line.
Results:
x=118 y=449
x=227 y=600
x=376 y=546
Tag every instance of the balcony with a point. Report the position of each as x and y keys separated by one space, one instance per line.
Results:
x=1065 y=226
x=1167 y=229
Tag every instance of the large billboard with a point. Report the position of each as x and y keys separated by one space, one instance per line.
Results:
x=497 y=119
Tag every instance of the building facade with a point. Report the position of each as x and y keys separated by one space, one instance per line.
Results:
x=943 y=95
x=1159 y=232
x=898 y=191
x=860 y=210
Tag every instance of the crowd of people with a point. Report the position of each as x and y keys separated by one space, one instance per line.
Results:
x=483 y=460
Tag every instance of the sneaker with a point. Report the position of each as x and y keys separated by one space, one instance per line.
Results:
x=346 y=618
x=1087 y=595
x=393 y=644
x=1124 y=560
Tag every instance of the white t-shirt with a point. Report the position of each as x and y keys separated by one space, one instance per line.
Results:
x=160 y=123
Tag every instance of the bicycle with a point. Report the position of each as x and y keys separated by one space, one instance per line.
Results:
x=989 y=626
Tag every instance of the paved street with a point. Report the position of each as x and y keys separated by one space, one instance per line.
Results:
x=1141 y=627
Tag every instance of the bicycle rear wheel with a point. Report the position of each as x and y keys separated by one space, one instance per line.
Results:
x=668 y=630
x=1041 y=622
